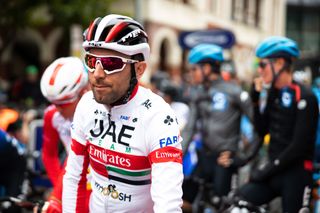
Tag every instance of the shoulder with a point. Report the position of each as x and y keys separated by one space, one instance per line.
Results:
x=49 y=112
x=305 y=96
x=152 y=103
x=304 y=92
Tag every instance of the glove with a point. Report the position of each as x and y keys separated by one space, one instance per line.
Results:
x=264 y=173
x=52 y=206
x=238 y=162
x=254 y=94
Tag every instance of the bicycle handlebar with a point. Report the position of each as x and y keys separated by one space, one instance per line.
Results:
x=235 y=202
x=29 y=205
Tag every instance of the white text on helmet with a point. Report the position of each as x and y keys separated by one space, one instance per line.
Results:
x=133 y=34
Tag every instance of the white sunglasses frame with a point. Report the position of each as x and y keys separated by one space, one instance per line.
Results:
x=124 y=60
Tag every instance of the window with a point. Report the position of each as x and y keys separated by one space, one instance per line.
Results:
x=246 y=11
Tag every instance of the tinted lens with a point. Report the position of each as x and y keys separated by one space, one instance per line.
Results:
x=90 y=61
x=111 y=63
x=262 y=64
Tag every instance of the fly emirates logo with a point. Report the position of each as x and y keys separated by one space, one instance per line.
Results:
x=109 y=157
x=167 y=155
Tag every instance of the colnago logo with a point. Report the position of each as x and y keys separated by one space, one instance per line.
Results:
x=113 y=159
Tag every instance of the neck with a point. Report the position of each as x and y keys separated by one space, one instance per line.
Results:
x=284 y=80
x=214 y=76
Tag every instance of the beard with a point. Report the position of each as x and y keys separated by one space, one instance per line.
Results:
x=105 y=98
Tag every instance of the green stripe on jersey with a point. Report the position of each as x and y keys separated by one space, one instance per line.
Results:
x=129 y=173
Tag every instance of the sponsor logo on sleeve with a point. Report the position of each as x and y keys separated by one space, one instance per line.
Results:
x=166 y=154
x=163 y=142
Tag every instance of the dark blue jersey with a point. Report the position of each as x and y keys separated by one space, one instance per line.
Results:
x=290 y=117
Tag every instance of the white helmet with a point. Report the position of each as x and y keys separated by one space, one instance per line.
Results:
x=119 y=33
x=63 y=80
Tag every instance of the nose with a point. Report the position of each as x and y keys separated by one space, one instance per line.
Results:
x=99 y=72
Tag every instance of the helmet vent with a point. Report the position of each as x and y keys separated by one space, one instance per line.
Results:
x=63 y=89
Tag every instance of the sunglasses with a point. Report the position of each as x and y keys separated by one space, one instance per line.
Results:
x=262 y=64
x=110 y=64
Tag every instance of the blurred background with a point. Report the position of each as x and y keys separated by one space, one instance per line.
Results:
x=34 y=33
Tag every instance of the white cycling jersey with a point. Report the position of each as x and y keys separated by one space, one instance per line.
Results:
x=135 y=154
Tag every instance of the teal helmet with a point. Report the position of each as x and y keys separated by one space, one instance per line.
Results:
x=276 y=47
x=204 y=53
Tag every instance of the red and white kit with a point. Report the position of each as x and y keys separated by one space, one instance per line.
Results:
x=134 y=151
x=56 y=128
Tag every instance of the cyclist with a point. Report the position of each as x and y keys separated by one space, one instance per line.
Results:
x=219 y=107
x=129 y=135
x=12 y=158
x=290 y=117
x=62 y=84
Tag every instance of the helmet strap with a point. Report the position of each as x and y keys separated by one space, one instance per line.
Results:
x=206 y=79
x=276 y=75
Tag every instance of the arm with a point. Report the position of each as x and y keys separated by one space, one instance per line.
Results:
x=247 y=108
x=50 y=156
x=165 y=156
x=74 y=180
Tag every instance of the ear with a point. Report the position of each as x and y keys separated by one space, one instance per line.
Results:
x=280 y=62
x=207 y=69
x=140 y=68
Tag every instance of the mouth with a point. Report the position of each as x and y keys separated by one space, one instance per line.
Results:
x=100 y=88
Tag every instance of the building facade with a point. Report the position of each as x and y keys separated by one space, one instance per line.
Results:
x=249 y=20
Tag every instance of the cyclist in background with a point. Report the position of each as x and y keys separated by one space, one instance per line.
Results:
x=290 y=116
x=129 y=135
x=12 y=155
x=63 y=83
x=219 y=107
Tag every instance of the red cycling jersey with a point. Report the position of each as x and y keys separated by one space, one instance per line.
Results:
x=56 y=129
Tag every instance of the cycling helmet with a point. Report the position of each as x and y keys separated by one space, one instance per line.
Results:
x=277 y=46
x=204 y=52
x=63 y=80
x=118 y=33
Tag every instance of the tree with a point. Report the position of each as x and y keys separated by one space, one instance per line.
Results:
x=18 y=14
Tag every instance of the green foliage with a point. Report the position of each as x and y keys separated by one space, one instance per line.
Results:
x=77 y=11
x=19 y=13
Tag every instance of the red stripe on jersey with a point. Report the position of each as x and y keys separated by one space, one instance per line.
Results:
x=99 y=168
x=54 y=74
x=78 y=148
x=166 y=154
x=121 y=160
x=115 y=30
x=297 y=90
x=82 y=187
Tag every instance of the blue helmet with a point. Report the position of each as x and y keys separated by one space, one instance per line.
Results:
x=277 y=46
x=204 y=52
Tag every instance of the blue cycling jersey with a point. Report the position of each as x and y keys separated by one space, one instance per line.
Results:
x=7 y=142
